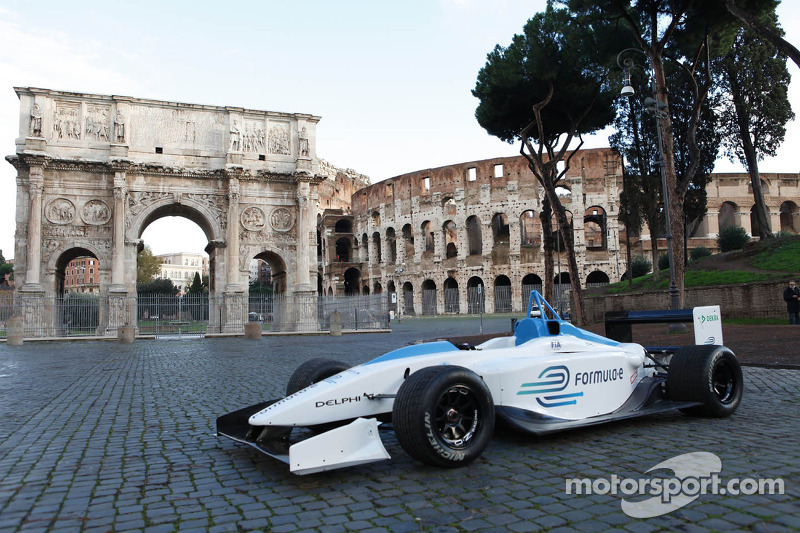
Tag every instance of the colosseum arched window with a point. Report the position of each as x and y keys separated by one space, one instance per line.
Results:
x=474 y=237
x=450 y=239
x=343 y=250
x=428 y=297
x=790 y=216
x=476 y=295
x=594 y=228
x=502 y=294
x=727 y=215
x=427 y=232
x=450 y=295
x=343 y=226
x=376 y=242
x=530 y=229
x=391 y=246
x=408 y=298
x=408 y=241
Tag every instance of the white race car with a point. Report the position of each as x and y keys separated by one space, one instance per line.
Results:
x=442 y=400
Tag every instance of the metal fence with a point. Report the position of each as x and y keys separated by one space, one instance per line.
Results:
x=76 y=315
x=451 y=301
x=429 y=302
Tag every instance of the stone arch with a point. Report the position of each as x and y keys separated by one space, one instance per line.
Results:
x=530 y=229
x=193 y=210
x=451 y=299
x=377 y=288
x=727 y=215
x=427 y=232
x=474 y=236
x=344 y=250
x=343 y=225
x=365 y=290
x=375 y=218
x=391 y=246
x=376 y=242
x=364 y=247
x=278 y=269
x=450 y=239
x=408 y=241
x=502 y=294
x=476 y=295
x=597 y=278
x=594 y=228
x=408 y=298
x=428 y=297
x=501 y=238
x=529 y=283
x=65 y=253
x=790 y=217
x=352 y=281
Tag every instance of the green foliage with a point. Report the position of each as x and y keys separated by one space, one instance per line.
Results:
x=698 y=253
x=197 y=285
x=555 y=53
x=148 y=266
x=783 y=257
x=663 y=262
x=640 y=265
x=158 y=286
x=732 y=238
x=705 y=278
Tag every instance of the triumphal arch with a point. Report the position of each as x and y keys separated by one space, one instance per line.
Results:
x=93 y=171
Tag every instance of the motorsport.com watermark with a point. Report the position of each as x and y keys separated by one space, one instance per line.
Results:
x=695 y=474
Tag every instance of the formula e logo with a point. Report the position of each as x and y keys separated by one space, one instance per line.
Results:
x=553 y=379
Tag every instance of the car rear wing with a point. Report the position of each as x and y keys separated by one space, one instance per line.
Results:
x=707 y=322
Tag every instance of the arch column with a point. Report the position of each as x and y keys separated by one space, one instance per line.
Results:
x=34 y=252
x=232 y=256
x=118 y=244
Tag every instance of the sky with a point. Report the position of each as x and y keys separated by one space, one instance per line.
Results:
x=391 y=80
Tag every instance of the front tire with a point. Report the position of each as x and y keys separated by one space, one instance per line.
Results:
x=312 y=371
x=444 y=416
x=710 y=375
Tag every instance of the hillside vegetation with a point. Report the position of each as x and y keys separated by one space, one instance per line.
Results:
x=774 y=259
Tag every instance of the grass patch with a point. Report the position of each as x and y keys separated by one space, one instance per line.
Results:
x=692 y=278
x=784 y=256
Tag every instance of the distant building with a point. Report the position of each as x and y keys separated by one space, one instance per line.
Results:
x=82 y=275
x=181 y=268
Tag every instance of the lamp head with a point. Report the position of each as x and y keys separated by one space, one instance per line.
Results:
x=627 y=91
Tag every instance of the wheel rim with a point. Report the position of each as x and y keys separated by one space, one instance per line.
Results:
x=723 y=381
x=457 y=416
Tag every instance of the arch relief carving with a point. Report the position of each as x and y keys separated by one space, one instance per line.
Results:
x=60 y=211
x=95 y=212
x=281 y=219
x=253 y=218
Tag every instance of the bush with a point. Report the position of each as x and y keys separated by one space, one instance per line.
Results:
x=663 y=262
x=640 y=265
x=698 y=253
x=732 y=238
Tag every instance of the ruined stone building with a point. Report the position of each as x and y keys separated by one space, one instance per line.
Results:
x=466 y=237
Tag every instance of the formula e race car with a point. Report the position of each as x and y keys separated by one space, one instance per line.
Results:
x=442 y=400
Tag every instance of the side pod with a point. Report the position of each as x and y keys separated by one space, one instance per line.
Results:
x=357 y=443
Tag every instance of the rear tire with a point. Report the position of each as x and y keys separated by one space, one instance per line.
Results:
x=710 y=375
x=312 y=371
x=444 y=416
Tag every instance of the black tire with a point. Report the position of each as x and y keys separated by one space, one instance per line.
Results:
x=444 y=416
x=710 y=375
x=312 y=371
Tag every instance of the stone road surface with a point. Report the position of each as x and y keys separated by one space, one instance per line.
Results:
x=99 y=436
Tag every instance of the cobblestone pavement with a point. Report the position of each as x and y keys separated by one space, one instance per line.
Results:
x=99 y=436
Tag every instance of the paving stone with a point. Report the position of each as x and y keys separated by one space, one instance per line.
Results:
x=131 y=446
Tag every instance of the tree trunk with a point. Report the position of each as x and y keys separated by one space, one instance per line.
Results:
x=752 y=22
x=565 y=229
x=546 y=217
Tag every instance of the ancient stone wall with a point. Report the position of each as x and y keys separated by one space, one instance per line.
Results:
x=438 y=234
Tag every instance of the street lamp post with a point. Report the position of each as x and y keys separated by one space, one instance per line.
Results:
x=659 y=110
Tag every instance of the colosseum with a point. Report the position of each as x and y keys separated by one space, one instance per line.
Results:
x=466 y=238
